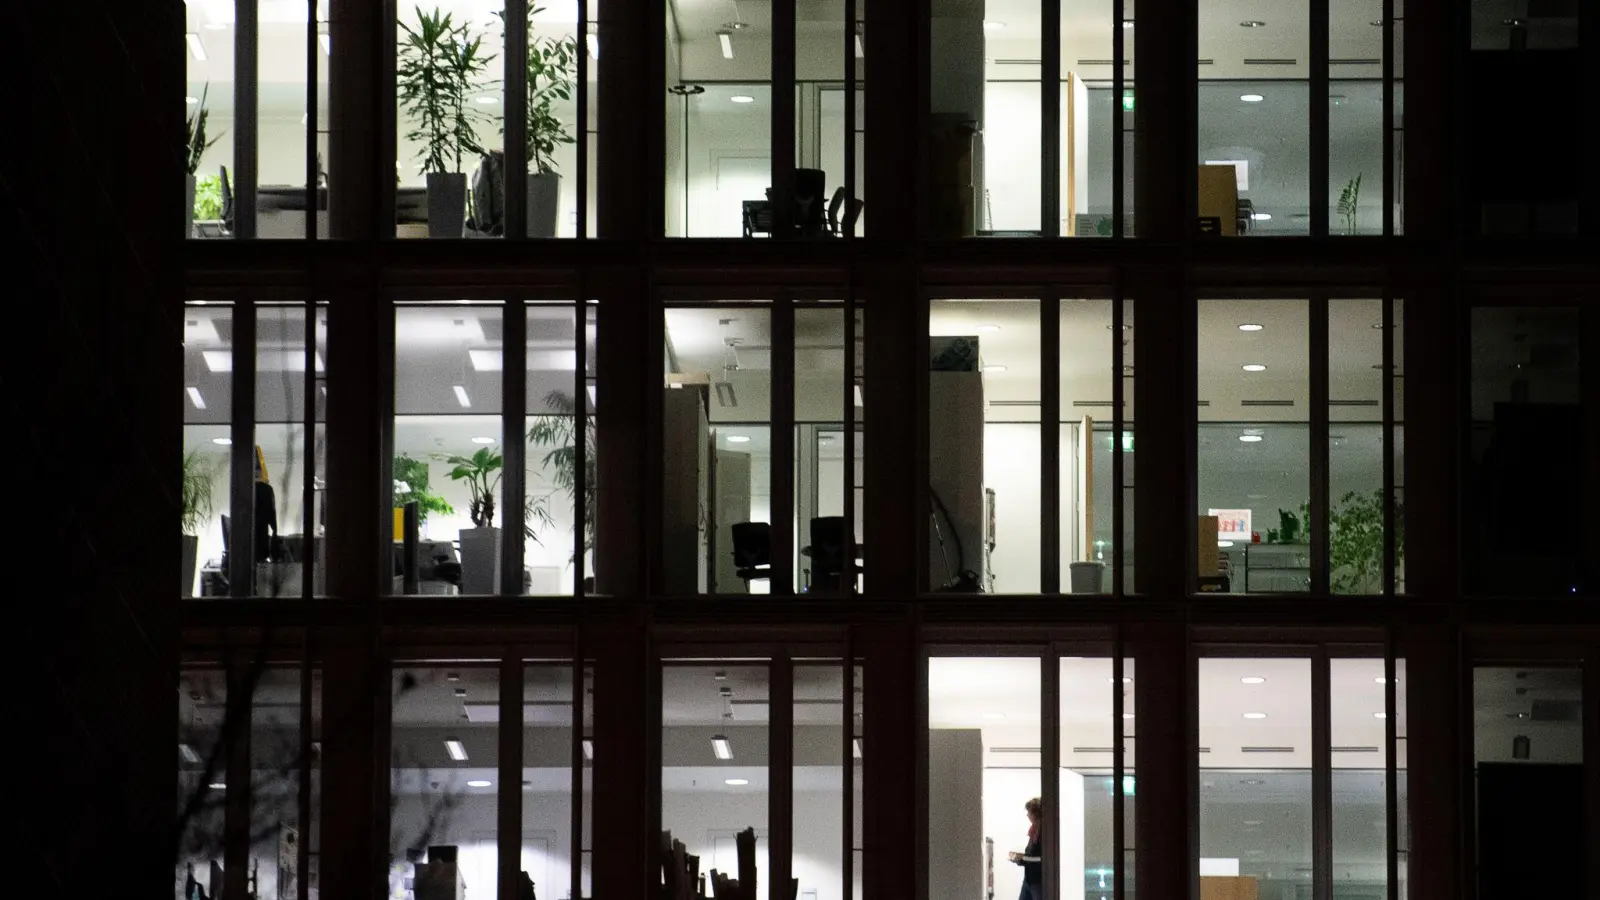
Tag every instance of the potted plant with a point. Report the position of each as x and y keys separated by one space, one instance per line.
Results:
x=556 y=434
x=1349 y=203
x=195 y=145
x=196 y=502
x=552 y=76
x=411 y=484
x=1355 y=543
x=439 y=63
x=480 y=544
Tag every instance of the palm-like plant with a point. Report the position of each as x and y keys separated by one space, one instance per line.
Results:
x=439 y=64
x=481 y=472
x=411 y=483
x=557 y=434
x=197 y=499
x=194 y=139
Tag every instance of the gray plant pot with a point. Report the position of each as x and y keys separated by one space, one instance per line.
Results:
x=447 y=204
x=188 y=209
x=480 y=561
x=191 y=549
x=544 y=201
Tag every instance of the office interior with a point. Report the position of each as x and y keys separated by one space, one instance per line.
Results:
x=448 y=390
x=283 y=125
x=1256 y=790
x=1254 y=112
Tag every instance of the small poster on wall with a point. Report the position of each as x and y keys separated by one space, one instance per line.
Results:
x=1232 y=524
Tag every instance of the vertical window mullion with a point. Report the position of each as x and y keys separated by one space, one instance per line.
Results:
x=1321 y=777
x=1050 y=441
x=246 y=110
x=848 y=769
x=1318 y=189
x=783 y=446
x=513 y=444
x=307 y=754
x=508 y=787
x=309 y=553
x=1050 y=130
x=852 y=14
x=576 y=755
x=1119 y=392
x=1318 y=417
x=1389 y=187
x=1391 y=788
x=1390 y=548
x=581 y=512
x=516 y=119
x=1119 y=762
x=783 y=116
x=313 y=62
x=581 y=188
x=242 y=457
x=780 y=777
x=849 y=406
x=1119 y=55
x=1050 y=770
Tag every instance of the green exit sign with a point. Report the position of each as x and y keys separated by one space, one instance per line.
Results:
x=1127 y=102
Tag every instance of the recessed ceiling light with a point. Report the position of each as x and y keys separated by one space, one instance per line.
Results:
x=1127 y=23
x=1252 y=23
x=1125 y=680
x=994 y=715
x=1127 y=715
x=222 y=441
x=461 y=395
x=1251 y=326
x=1252 y=781
x=742 y=98
x=737 y=782
x=992 y=25
x=478 y=782
x=455 y=749
x=1224 y=543
x=588 y=748
x=1261 y=216
x=487 y=100
x=994 y=368
x=1250 y=438
x=191 y=100
x=195 y=398
x=1380 y=715
x=738 y=439
x=1252 y=822
x=988 y=327
x=1255 y=715
x=721 y=747
x=483 y=439
x=1380 y=680
x=217 y=786
x=1253 y=367
x=725 y=38
x=1251 y=98
x=196 y=47
x=1252 y=679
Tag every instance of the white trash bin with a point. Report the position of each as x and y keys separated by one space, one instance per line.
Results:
x=1087 y=577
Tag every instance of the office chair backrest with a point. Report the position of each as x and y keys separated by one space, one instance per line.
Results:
x=827 y=545
x=851 y=215
x=810 y=186
x=833 y=209
x=752 y=544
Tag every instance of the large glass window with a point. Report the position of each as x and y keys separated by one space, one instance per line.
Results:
x=443 y=828
x=1528 y=453
x=202 y=780
x=448 y=461
x=1529 y=755
x=1357 y=735
x=827 y=480
x=557 y=474
x=548 y=848
x=1357 y=381
x=210 y=111
x=1091 y=443
x=717 y=438
x=1255 y=777
x=207 y=441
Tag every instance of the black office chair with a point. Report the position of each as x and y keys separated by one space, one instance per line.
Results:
x=833 y=210
x=752 y=551
x=851 y=214
x=758 y=218
x=810 y=186
x=827 y=553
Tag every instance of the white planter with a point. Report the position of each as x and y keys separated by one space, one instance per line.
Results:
x=480 y=561
x=447 y=204
x=188 y=207
x=544 y=202
x=191 y=544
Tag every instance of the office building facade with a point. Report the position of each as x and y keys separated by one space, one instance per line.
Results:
x=1204 y=450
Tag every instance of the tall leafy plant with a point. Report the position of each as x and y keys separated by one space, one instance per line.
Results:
x=439 y=63
x=411 y=483
x=195 y=143
x=552 y=75
x=1355 y=542
x=197 y=498
x=481 y=471
x=557 y=435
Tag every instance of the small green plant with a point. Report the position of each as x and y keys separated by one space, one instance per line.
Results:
x=1349 y=203
x=1355 y=542
x=481 y=472
x=411 y=483
x=197 y=500
x=439 y=63
x=194 y=140
x=207 y=198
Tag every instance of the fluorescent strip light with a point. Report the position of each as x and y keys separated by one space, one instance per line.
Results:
x=588 y=748
x=721 y=747
x=855 y=747
x=590 y=390
x=461 y=395
x=266 y=360
x=858 y=396
x=195 y=398
x=456 y=751
x=196 y=46
x=326 y=41
x=724 y=38
x=593 y=42
x=218 y=786
x=188 y=753
x=861 y=50
x=478 y=783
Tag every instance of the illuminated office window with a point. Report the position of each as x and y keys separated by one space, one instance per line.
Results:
x=207 y=446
